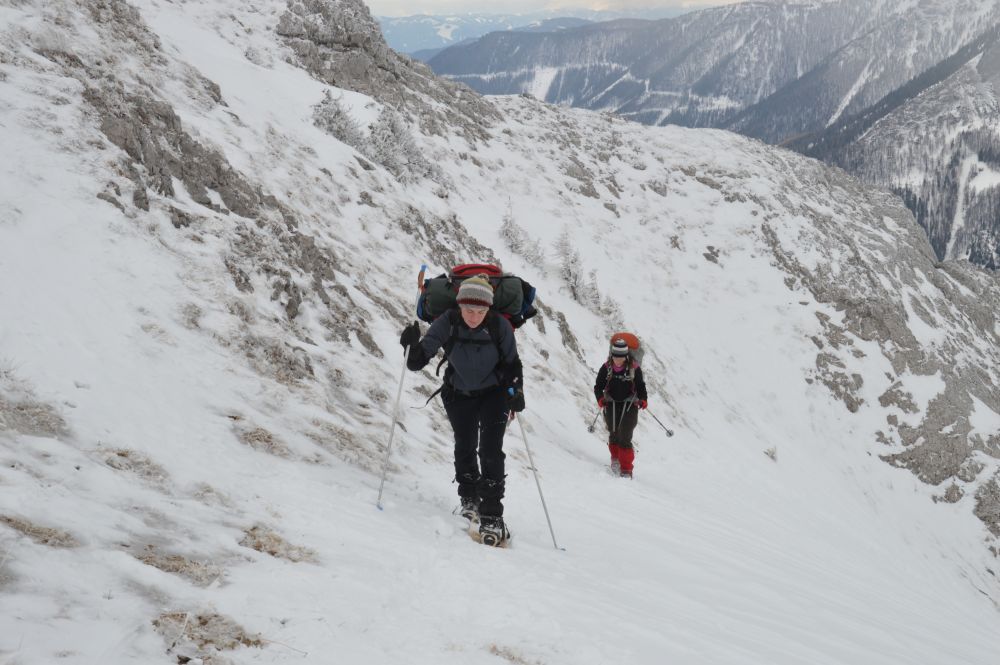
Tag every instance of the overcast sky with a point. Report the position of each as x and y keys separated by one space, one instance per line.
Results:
x=410 y=7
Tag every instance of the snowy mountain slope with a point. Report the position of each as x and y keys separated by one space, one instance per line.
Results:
x=808 y=75
x=901 y=40
x=771 y=69
x=197 y=381
x=947 y=176
x=696 y=69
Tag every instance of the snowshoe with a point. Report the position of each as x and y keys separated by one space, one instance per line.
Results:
x=493 y=532
x=626 y=474
x=469 y=509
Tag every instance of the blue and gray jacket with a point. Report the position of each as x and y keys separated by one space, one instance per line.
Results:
x=478 y=358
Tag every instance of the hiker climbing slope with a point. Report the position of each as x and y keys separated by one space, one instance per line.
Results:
x=621 y=393
x=482 y=388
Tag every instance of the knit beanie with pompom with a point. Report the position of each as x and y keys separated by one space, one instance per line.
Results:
x=476 y=291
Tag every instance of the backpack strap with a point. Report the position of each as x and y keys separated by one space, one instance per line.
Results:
x=629 y=376
x=492 y=329
x=454 y=318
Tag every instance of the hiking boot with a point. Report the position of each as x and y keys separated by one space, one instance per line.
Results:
x=493 y=532
x=616 y=467
x=626 y=474
x=469 y=508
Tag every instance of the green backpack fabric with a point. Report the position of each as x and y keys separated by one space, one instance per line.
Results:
x=513 y=297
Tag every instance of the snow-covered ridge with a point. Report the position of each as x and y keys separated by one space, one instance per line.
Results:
x=205 y=292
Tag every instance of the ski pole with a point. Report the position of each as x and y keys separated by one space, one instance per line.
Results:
x=531 y=461
x=624 y=413
x=591 y=428
x=392 y=431
x=399 y=394
x=669 y=431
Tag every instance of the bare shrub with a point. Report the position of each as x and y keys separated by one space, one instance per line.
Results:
x=331 y=117
x=262 y=441
x=22 y=411
x=210 y=496
x=40 y=534
x=275 y=359
x=191 y=315
x=345 y=445
x=123 y=459
x=199 y=574
x=511 y=656
x=520 y=241
x=242 y=311
x=264 y=540
x=391 y=144
x=204 y=631
x=31 y=417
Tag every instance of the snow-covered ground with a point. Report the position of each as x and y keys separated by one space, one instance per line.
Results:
x=165 y=489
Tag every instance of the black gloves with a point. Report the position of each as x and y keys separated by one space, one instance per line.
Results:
x=411 y=335
x=515 y=396
x=515 y=402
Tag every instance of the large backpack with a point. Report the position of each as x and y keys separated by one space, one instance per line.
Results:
x=513 y=297
x=634 y=358
x=635 y=350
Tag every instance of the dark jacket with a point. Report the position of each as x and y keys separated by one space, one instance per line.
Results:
x=476 y=360
x=618 y=387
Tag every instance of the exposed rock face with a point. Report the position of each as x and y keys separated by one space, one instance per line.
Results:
x=267 y=247
x=988 y=505
x=152 y=135
x=339 y=43
x=929 y=319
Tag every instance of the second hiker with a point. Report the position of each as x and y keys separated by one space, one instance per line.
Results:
x=483 y=369
x=620 y=392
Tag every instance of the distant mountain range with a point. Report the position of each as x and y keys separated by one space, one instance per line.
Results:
x=934 y=141
x=546 y=25
x=814 y=76
x=424 y=35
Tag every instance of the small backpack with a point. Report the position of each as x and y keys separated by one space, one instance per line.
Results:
x=513 y=297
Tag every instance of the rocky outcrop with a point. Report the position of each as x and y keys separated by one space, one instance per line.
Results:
x=931 y=321
x=339 y=43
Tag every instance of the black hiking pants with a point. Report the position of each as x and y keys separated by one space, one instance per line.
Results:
x=621 y=419
x=479 y=422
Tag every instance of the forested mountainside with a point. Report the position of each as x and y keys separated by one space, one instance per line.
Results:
x=935 y=142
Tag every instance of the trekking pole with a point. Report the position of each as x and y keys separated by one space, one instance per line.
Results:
x=591 y=428
x=392 y=431
x=531 y=461
x=666 y=429
x=625 y=412
x=399 y=394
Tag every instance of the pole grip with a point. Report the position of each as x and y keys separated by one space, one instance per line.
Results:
x=420 y=278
